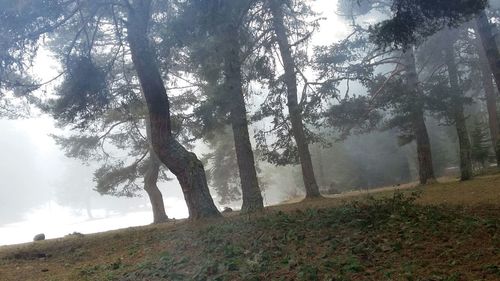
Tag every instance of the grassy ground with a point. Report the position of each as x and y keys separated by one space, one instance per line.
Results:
x=448 y=231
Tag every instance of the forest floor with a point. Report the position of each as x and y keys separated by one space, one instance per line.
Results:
x=445 y=231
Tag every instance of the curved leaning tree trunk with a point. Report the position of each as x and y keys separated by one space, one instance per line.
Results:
x=310 y=184
x=458 y=114
x=252 y=198
x=425 y=166
x=490 y=56
x=183 y=164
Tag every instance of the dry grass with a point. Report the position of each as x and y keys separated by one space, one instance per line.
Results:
x=451 y=243
x=483 y=190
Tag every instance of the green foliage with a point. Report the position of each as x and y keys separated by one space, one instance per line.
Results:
x=480 y=143
x=353 y=114
x=118 y=179
x=23 y=24
x=442 y=98
x=222 y=167
x=89 y=273
x=98 y=97
x=412 y=21
x=276 y=144
x=345 y=60
x=356 y=60
x=361 y=239
x=83 y=96
x=445 y=95
x=164 y=267
x=492 y=269
x=82 y=147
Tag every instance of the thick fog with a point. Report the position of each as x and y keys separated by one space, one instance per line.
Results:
x=43 y=191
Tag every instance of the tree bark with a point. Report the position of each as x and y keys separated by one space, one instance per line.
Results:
x=491 y=98
x=251 y=195
x=154 y=193
x=183 y=164
x=426 y=169
x=458 y=114
x=425 y=165
x=151 y=180
x=465 y=146
x=290 y=78
x=484 y=28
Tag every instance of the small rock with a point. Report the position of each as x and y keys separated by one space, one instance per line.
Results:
x=227 y=210
x=45 y=270
x=39 y=237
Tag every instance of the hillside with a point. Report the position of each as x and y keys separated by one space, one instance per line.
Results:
x=448 y=231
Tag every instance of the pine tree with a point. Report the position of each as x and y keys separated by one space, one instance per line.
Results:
x=218 y=37
x=480 y=144
x=126 y=30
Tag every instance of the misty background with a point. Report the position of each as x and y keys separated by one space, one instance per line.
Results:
x=43 y=191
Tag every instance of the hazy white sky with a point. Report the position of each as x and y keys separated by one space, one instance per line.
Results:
x=39 y=182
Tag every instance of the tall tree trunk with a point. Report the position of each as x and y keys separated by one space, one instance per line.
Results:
x=252 y=198
x=294 y=109
x=426 y=169
x=490 y=46
x=154 y=193
x=151 y=180
x=425 y=166
x=465 y=146
x=491 y=98
x=458 y=114
x=185 y=165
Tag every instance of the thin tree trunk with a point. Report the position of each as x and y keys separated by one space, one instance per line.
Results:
x=185 y=165
x=466 y=171
x=151 y=180
x=154 y=193
x=310 y=184
x=458 y=114
x=252 y=197
x=425 y=166
x=491 y=98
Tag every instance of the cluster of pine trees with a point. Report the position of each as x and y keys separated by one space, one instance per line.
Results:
x=149 y=80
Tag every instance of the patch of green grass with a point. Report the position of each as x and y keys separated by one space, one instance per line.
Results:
x=164 y=267
x=310 y=244
x=493 y=269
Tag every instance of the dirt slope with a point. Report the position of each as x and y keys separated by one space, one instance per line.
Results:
x=450 y=232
